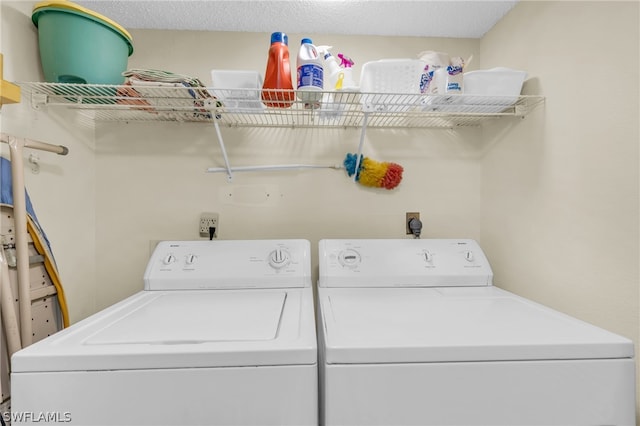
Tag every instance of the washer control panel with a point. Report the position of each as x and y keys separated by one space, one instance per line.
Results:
x=403 y=263
x=184 y=265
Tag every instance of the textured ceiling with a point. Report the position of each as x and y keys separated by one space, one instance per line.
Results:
x=422 y=18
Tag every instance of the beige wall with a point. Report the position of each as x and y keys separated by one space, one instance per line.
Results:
x=560 y=213
x=552 y=198
x=63 y=192
x=152 y=185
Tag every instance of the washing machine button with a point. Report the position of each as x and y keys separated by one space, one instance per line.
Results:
x=468 y=255
x=169 y=259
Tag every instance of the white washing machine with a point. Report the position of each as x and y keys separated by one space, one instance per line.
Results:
x=412 y=332
x=222 y=334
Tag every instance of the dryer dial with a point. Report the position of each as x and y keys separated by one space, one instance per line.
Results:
x=349 y=258
x=279 y=258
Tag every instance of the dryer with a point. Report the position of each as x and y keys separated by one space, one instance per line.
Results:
x=222 y=334
x=413 y=332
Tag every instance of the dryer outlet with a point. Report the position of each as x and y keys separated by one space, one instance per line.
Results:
x=208 y=221
x=408 y=217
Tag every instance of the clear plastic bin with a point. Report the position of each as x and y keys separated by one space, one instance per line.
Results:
x=391 y=85
x=235 y=89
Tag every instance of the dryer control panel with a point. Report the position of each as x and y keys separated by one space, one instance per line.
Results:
x=190 y=265
x=403 y=263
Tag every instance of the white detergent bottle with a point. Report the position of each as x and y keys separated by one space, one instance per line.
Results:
x=310 y=74
x=332 y=68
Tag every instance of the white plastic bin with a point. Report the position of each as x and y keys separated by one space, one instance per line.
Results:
x=391 y=85
x=233 y=88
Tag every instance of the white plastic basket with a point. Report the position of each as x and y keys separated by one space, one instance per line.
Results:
x=489 y=91
x=391 y=85
x=496 y=86
x=232 y=87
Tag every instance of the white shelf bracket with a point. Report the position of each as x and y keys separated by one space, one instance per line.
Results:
x=223 y=150
x=38 y=99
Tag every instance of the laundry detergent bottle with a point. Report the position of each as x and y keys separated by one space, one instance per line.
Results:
x=277 y=89
x=310 y=74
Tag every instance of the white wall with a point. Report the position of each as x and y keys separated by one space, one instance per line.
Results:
x=560 y=209
x=63 y=192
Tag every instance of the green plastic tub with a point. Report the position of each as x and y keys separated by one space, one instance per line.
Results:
x=80 y=46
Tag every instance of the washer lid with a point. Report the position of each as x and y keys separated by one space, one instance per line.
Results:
x=405 y=325
x=177 y=329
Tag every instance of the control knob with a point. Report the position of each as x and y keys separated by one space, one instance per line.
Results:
x=349 y=258
x=279 y=258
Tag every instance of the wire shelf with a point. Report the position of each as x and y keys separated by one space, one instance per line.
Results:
x=245 y=107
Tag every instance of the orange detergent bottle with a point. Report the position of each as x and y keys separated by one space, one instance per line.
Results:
x=277 y=89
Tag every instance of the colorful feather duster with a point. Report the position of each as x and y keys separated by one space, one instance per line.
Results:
x=373 y=173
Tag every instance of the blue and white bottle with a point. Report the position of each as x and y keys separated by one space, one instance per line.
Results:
x=310 y=74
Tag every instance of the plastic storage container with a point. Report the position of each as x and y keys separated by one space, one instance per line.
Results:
x=78 y=45
x=398 y=78
x=494 y=82
x=496 y=86
x=234 y=89
x=278 y=86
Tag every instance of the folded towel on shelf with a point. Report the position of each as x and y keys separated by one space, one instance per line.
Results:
x=159 y=76
x=150 y=91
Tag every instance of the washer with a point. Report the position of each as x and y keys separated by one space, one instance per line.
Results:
x=412 y=332
x=222 y=334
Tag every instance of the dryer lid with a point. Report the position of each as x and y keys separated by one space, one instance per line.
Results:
x=409 y=325
x=178 y=329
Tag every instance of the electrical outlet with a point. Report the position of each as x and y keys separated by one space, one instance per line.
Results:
x=409 y=216
x=208 y=220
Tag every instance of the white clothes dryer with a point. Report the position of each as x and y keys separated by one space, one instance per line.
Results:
x=222 y=334
x=412 y=332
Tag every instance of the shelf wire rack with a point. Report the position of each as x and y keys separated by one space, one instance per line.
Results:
x=246 y=108
x=275 y=108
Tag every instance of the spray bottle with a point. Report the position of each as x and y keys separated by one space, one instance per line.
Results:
x=332 y=69
x=347 y=82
